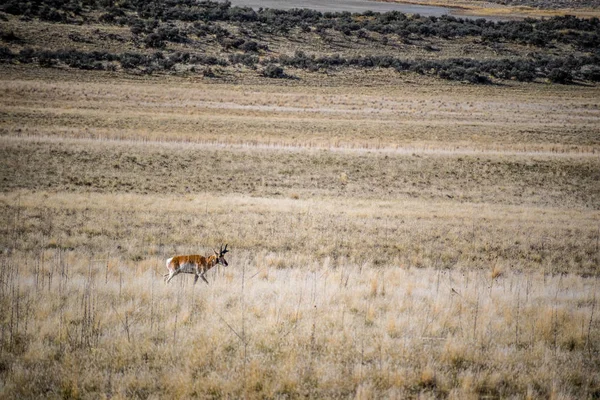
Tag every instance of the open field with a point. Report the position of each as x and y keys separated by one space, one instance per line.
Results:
x=417 y=113
x=81 y=326
x=394 y=232
x=384 y=241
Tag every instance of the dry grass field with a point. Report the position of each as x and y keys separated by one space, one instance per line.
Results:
x=378 y=110
x=86 y=326
x=420 y=240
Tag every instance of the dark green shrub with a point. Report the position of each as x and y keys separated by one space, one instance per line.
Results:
x=560 y=75
x=274 y=71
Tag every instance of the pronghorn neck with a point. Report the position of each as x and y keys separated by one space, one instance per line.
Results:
x=211 y=260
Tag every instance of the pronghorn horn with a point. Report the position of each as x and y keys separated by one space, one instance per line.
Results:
x=225 y=249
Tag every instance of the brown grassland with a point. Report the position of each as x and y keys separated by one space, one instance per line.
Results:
x=391 y=236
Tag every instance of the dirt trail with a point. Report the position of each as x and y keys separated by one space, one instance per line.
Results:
x=353 y=6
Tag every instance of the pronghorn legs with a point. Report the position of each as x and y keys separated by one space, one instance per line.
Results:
x=201 y=275
x=171 y=275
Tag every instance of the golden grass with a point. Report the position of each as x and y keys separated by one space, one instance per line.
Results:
x=552 y=180
x=78 y=325
x=293 y=233
x=383 y=243
x=448 y=116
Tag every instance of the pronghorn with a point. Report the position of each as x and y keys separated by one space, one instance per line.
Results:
x=195 y=264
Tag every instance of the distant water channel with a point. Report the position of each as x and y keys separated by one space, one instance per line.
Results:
x=353 y=6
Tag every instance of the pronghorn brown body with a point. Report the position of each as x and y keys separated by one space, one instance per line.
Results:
x=195 y=264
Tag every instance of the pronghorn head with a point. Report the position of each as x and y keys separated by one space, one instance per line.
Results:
x=221 y=255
